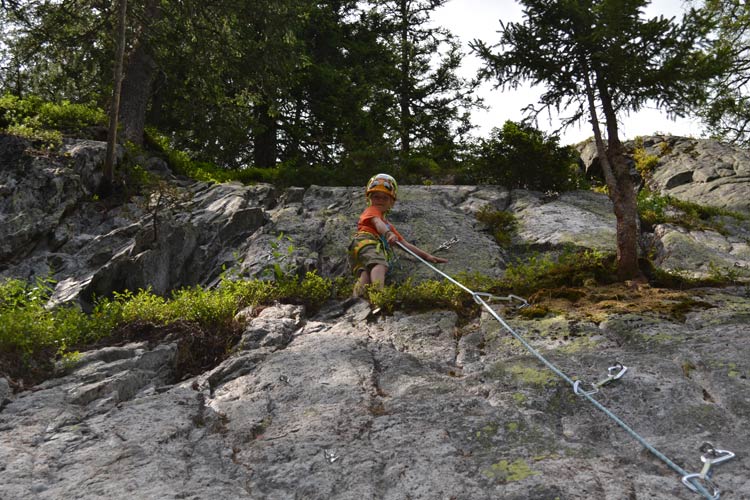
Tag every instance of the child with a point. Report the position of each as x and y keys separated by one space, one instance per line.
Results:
x=367 y=253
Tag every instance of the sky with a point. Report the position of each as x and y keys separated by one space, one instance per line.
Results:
x=470 y=19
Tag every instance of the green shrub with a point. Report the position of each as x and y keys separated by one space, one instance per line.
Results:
x=15 y=111
x=520 y=156
x=35 y=119
x=501 y=224
x=27 y=327
x=645 y=163
x=572 y=268
x=654 y=208
x=46 y=138
x=70 y=117
x=285 y=174
x=426 y=295
x=312 y=291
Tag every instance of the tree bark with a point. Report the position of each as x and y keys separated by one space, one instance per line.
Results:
x=136 y=92
x=619 y=182
x=109 y=162
x=623 y=195
x=264 y=137
x=139 y=76
x=405 y=86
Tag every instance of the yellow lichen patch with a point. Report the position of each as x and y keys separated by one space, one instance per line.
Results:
x=578 y=345
x=519 y=397
x=531 y=375
x=509 y=471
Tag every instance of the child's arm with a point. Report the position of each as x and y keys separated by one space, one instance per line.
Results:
x=391 y=238
x=426 y=256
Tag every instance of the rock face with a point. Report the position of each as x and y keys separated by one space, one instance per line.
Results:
x=701 y=171
x=91 y=249
x=336 y=407
x=706 y=172
x=344 y=405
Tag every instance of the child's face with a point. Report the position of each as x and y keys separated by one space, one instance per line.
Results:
x=381 y=201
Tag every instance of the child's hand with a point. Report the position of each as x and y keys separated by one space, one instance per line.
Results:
x=391 y=237
x=437 y=260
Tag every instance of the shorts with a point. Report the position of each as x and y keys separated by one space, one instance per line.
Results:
x=365 y=252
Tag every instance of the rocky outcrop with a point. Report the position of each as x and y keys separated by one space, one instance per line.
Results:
x=345 y=404
x=91 y=249
x=337 y=407
x=702 y=171
x=706 y=172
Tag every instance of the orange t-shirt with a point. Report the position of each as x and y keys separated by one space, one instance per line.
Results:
x=366 y=224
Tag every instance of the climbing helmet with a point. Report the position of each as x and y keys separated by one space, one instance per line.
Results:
x=383 y=183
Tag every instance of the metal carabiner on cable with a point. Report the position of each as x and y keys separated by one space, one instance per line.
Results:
x=447 y=244
x=614 y=372
x=714 y=456
x=714 y=490
x=507 y=298
x=580 y=392
x=711 y=456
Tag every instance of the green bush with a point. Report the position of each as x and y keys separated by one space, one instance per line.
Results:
x=284 y=174
x=645 y=163
x=426 y=295
x=654 y=209
x=500 y=223
x=66 y=116
x=45 y=138
x=33 y=336
x=573 y=267
x=27 y=327
x=44 y=122
x=15 y=111
x=520 y=156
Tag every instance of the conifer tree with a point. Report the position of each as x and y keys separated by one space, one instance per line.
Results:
x=598 y=60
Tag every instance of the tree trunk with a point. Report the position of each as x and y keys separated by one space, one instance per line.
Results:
x=136 y=91
x=109 y=161
x=623 y=196
x=139 y=76
x=264 y=137
x=405 y=87
x=620 y=184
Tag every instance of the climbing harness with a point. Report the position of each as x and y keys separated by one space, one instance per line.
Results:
x=697 y=482
x=381 y=243
x=390 y=257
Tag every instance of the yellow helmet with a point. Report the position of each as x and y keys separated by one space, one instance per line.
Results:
x=383 y=183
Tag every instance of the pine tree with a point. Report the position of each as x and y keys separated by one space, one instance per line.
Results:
x=599 y=59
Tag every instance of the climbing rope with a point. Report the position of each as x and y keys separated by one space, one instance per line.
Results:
x=394 y=265
x=697 y=482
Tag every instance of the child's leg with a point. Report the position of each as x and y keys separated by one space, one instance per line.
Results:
x=377 y=275
x=361 y=284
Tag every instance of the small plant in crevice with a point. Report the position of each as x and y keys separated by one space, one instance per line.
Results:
x=501 y=224
x=645 y=163
x=160 y=200
x=281 y=266
x=654 y=208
